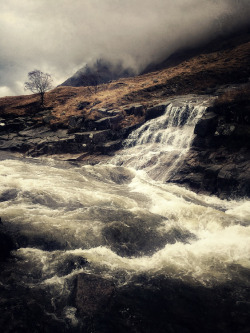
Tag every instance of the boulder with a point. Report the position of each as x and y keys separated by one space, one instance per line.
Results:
x=108 y=122
x=134 y=109
x=75 y=123
x=206 y=125
x=55 y=145
x=93 y=294
x=156 y=111
x=7 y=243
x=16 y=144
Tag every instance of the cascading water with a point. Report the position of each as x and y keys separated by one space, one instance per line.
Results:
x=116 y=223
x=159 y=146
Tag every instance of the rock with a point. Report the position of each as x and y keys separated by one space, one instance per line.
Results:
x=113 y=112
x=82 y=105
x=55 y=145
x=206 y=125
x=8 y=195
x=109 y=146
x=103 y=111
x=47 y=119
x=108 y=122
x=93 y=294
x=94 y=137
x=160 y=304
x=13 y=125
x=75 y=123
x=156 y=111
x=16 y=144
x=134 y=109
x=7 y=243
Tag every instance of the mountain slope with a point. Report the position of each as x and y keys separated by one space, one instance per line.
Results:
x=101 y=71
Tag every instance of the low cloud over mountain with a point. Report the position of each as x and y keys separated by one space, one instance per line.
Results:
x=62 y=36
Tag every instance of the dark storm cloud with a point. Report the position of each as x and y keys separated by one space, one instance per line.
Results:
x=60 y=36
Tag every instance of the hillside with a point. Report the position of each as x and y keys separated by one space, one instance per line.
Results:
x=102 y=71
x=89 y=123
x=203 y=73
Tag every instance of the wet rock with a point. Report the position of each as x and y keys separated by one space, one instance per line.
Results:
x=108 y=122
x=156 y=111
x=72 y=263
x=206 y=125
x=16 y=144
x=7 y=244
x=161 y=305
x=109 y=146
x=135 y=237
x=94 y=137
x=55 y=145
x=93 y=294
x=219 y=159
x=8 y=195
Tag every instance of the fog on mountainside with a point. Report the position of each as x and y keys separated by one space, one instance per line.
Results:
x=102 y=71
x=62 y=39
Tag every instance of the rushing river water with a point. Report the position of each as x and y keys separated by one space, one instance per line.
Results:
x=116 y=222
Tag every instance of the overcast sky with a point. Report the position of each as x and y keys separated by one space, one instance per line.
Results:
x=61 y=36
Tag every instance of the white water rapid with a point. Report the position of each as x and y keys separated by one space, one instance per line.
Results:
x=119 y=219
x=159 y=146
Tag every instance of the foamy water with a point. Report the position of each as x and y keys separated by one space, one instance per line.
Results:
x=121 y=219
x=76 y=208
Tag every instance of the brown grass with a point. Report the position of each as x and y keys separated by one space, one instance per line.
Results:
x=240 y=94
x=192 y=76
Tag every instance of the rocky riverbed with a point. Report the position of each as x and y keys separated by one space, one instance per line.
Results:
x=217 y=163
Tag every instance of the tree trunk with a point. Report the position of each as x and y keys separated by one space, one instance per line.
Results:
x=42 y=98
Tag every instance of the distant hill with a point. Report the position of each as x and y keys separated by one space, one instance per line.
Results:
x=219 y=44
x=102 y=71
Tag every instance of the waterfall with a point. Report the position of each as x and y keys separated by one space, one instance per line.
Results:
x=90 y=238
x=159 y=146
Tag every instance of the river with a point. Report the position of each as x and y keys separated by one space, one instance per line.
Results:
x=123 y=222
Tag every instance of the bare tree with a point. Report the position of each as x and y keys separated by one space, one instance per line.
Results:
x=39 y=82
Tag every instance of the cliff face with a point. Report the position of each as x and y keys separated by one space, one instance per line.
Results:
x=219 y=160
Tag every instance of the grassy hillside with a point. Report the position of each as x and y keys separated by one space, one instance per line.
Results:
x=201 y=73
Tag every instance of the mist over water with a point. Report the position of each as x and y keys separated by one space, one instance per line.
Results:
x=117 y=222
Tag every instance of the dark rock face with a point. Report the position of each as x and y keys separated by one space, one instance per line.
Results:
x=161 y=305
x=206 y=125
x=156 y=111
x=6 y=245
x=7 y=242
x=136 y=109
x=81 y=136
x=93 y=293
x=108 y=122
x=219 y=160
